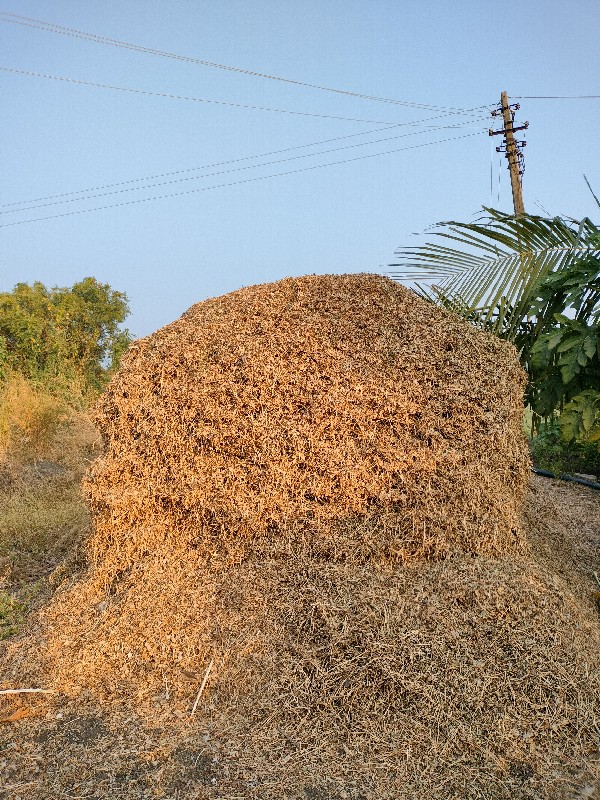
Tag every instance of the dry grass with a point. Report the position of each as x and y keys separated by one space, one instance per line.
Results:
x=38 y=525
x=45 y=446
x=29 y=418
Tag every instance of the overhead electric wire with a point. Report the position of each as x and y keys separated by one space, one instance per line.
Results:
x=147 y=92
x=499 y=180
x=556 y=97
x=55 y=202
x=491 y=170
x=246 y=158
x=237 y=183
x=63 y=30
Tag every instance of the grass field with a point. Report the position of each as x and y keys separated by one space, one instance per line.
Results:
x=46 y=444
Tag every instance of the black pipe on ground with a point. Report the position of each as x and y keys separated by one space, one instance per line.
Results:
x=545 y=474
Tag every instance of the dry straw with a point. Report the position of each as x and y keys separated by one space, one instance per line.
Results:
x=336 y=418
x=315 y=487
x=339 y=409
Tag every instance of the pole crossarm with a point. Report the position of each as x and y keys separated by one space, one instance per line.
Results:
x=514 y=130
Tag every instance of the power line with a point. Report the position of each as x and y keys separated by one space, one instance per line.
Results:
x=245 y=158
x=491 y=171
x=499 y=180
x=53 y=200
x=556 y=97
x=184 y=97
x=237 y=183
x=50 y=27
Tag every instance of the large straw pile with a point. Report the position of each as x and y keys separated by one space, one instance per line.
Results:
x=310 y=496
x=337 y=418
x=340 y=410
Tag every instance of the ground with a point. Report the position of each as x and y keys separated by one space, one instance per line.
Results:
x=53 y=748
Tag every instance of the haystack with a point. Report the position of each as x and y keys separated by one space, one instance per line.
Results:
x=336 y=418
x=307 y=519
x=341 y=411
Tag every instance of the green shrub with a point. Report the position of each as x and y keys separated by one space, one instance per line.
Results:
x=550 y=451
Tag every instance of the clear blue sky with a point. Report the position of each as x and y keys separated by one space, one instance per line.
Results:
x=59 y=137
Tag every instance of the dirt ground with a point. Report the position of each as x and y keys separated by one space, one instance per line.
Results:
x=53 y=748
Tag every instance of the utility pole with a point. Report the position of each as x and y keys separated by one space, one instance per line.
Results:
x=512 y=148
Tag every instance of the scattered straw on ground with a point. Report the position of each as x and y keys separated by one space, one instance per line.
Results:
x=309 y=508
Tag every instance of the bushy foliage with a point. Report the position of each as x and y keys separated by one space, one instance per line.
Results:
x=75 y=331
x=565 y=355
x=550 y=451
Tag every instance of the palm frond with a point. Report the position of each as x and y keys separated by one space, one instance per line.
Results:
x=492 y=268
x=592 y=191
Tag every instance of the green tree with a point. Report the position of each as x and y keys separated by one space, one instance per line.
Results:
x=46 y=332
x=536 y=282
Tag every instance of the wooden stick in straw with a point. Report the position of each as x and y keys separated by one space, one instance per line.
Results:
x=25 y=691
x=201 y=689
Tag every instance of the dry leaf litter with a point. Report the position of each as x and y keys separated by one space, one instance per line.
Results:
x=314 y=488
